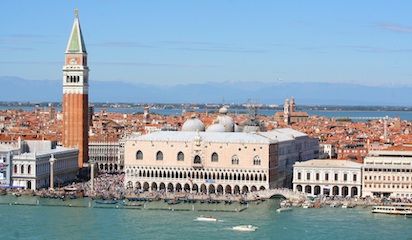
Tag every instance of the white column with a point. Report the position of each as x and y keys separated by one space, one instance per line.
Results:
x=92 y=175
x=52 y=160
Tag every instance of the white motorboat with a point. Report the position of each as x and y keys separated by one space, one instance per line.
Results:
x=283 y=209
x=206 y=219
x=245 y=228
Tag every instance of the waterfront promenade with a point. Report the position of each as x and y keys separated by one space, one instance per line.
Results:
x=110 y=187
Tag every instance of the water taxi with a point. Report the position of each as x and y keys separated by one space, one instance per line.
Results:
x=283 y=209
x=395 y=209
x=245 y=228
x=206 y=219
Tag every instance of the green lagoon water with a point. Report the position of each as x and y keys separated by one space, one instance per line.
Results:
x=108 y=222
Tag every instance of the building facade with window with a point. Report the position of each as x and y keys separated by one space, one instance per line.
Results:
x=215 y=162
x=328 y=177
x=31 y=169
x=7 y=151
x=388 y=174
x=107 y=155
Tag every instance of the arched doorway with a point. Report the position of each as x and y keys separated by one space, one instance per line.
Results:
x=345 y=191
x=187 y=187
x=146 y=186
x=154 y=186
x=308 y=189
x=253 y=189
x=178 y=187
x=262 y=188
x=236 y=190
x=195 y=188
x=170 y=187
x=138 y=186
x=129 y=185
x=211 y=189
x=299 y=188
x=354 y=191
x=228 y=189
x=245 y=189
x=162 y=186
x=335 y=190
x=28 y=184
x=203 y=189
x=219 y=189
x=316 y=190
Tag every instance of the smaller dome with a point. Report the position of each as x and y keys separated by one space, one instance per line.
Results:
x=227 y=122
x=216 y=127
x=223 y=110
x=193 y=124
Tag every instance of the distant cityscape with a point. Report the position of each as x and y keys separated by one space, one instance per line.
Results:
x=211 y=106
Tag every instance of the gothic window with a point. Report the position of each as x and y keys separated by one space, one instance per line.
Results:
x=159 y=156
x=22 y=169
x=197 y=160
x=215 y=157
x=235 y=160
x=139 y=155
x=29 y=169
x=180 y=156
x=15 y=168
x=256 y=160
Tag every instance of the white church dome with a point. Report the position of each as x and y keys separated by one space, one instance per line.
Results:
x=216 y=127
x=193 y=124
x=227 y=122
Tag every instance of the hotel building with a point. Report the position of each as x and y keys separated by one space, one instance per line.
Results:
x=388 y=174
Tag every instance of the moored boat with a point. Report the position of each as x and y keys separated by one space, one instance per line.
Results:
x=283 y=209
x=106 y=201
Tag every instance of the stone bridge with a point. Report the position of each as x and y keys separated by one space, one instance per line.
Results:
x=277 y=192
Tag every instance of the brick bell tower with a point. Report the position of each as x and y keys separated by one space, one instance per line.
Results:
x=75 y=94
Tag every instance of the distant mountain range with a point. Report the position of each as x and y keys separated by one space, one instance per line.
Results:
x=18 y=89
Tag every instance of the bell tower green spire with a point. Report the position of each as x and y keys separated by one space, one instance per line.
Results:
x=76 y=42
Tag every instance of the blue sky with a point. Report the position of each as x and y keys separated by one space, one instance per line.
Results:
x=172 y=42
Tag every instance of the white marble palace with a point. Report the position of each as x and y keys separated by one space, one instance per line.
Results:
x=328 y=177
x=214 y=161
